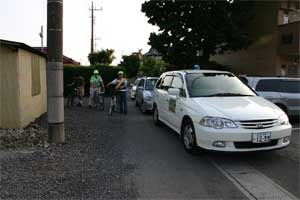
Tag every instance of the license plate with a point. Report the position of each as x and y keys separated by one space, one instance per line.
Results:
x=261 y=137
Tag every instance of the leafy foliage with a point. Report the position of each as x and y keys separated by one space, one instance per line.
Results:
x=131 y=64
x=191 y=31
x=103 y=57
x=152 y=66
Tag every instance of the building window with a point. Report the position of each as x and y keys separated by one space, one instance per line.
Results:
x=287 y=38
x=35 y=76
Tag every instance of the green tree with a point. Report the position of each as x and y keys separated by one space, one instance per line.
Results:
x=152 y=66
x=131 y=64
x=103 y=57
x=191 y=31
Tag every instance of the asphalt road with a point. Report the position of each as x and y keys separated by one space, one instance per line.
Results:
x=163 y=170
x=127 y=157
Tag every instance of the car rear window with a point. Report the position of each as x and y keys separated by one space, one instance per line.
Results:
x=288 y=86
x=268 y=85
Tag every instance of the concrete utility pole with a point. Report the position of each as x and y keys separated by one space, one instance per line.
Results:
x=42 y=39
x=55 y=80
x=92 y=26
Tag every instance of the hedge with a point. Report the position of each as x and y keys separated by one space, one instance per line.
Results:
x=108 y=73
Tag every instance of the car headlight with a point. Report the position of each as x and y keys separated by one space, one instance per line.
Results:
x=217 y=122
x=283 y=120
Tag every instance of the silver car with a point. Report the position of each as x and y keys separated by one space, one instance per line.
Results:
x=133 y=88
x=282 y=91
x=144 y=93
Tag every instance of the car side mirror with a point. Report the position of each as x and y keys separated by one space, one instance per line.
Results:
x=174 y=92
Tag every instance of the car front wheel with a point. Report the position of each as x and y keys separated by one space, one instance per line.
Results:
x=156 y=120
x=188 y=137
x=143 y=108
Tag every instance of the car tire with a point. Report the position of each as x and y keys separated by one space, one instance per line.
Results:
x=155 y=115
x=142 y=108
x=188 y=137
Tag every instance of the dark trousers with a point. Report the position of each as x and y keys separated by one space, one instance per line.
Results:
x=122 y=100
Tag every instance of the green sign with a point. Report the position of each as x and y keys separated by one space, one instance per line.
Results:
x=172 y=105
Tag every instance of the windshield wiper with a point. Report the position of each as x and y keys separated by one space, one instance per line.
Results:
x=228 y=95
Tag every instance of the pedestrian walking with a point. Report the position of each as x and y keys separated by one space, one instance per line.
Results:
x=121 y=91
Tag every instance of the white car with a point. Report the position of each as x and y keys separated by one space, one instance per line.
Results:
x=214 y=110
x=144 y=93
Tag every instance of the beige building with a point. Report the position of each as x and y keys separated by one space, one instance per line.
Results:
x=275 y=32
x=22 y=84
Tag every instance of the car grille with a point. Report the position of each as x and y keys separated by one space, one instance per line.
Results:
x=246 y=145
x=258 y=124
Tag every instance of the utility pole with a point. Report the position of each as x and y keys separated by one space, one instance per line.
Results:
x=55 y=99
x=92 y=25
x=42 y=39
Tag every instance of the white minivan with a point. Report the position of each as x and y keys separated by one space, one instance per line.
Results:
x=214 y=110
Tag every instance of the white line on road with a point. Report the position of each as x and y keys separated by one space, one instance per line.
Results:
x=232 y=179
x=252 y=183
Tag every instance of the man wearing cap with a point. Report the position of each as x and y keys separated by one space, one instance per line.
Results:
x=96 y=83
x=121 y=88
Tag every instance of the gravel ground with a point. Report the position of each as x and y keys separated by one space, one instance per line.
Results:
x=88 y=166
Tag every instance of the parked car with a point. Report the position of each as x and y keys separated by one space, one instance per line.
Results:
x=144 y=93
x=282 y=91
x=133 y=88
x=214 y=110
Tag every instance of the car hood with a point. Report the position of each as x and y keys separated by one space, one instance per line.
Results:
x=148 y=93
x=238 y=108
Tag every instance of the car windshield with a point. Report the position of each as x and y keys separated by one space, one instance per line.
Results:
x=216 y=84
x=150 y=83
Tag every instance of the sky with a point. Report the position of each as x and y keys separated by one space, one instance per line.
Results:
x=120 y=25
